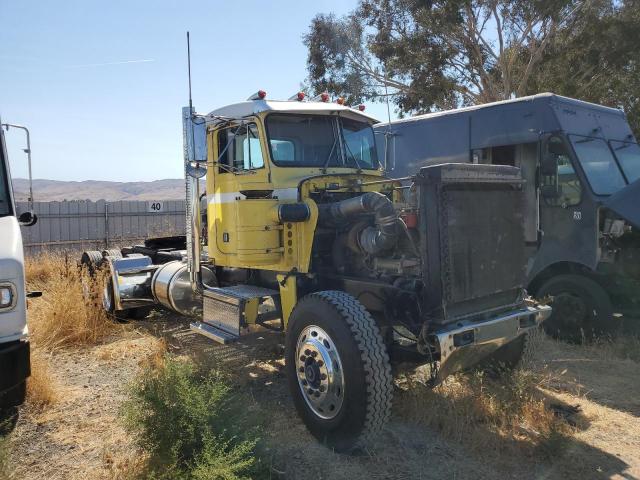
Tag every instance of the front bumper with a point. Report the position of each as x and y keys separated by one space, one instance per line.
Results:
x=467 y=343
x=15 y=367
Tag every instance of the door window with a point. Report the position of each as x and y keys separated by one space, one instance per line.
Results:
x=239 y=149
x=562 y=187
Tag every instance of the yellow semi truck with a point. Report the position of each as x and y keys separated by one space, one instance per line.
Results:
x=301 y=232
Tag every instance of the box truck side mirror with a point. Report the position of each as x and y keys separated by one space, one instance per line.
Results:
x=27 y=219
x=385 y=144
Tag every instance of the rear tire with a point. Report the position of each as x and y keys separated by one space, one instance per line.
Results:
x=581 y=308
x=334 y=350
x=91 y=260
x=112 y=252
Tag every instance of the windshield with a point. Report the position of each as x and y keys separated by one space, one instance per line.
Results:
x=628 y=155
x=598 y=164
x=320 y=141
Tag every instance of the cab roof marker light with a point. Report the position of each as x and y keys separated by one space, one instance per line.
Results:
x=340 y=101
x=298 y=97
x=259 y=95
x=361 y=107
x=323 y=97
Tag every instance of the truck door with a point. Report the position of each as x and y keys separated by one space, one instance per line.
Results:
x=568 y=215
x=240 y=169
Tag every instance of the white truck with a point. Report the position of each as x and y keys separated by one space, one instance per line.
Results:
x=14 y=339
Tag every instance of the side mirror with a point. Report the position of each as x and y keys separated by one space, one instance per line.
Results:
x=27 y=219
x=195 y=136
x=386 y=146
x=549 y=165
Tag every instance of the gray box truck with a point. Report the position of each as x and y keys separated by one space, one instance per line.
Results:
x=581 y=165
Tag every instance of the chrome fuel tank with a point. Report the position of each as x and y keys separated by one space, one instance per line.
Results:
x=171 y=287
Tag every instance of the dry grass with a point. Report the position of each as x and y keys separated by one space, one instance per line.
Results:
x=42 y=388
x=620 y=347
x=70 y=311
x=509 y=414
x=5 y=460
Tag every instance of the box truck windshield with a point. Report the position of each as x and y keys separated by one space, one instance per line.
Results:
x=628 y=155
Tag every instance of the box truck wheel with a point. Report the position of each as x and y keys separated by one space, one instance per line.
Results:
x=581 y=307
x=338 y=370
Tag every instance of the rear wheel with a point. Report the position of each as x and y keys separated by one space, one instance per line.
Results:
x=91 y=260
x=338 y=369
x=581 y=308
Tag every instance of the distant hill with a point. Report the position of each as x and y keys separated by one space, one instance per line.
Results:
x=48 y=190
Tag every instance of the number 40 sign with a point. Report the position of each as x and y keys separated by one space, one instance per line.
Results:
x=155 y=207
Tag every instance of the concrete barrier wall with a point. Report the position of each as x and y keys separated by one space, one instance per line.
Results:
x=81 y=225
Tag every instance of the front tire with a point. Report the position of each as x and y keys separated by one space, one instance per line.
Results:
x=338 y=370
x=581 y=308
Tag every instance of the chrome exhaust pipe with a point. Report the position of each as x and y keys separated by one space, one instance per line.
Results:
x=193 y=235
x=192 y=173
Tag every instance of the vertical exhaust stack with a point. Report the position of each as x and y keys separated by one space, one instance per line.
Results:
x=194 y=137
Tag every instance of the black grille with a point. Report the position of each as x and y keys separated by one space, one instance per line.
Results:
x=472 y=236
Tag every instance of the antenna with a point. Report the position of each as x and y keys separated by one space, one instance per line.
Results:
x=386 y=94
x=387 y=133
x=189 y=70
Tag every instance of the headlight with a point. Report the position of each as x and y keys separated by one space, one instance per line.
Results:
x=7 y=295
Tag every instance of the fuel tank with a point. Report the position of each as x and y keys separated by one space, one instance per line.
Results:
x=171 y=287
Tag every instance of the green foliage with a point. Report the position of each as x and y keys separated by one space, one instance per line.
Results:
x=437 y=54
x=597 y=58
x=193 y=426
x=445 y=54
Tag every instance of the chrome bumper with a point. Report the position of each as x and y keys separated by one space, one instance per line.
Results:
x=466 y=343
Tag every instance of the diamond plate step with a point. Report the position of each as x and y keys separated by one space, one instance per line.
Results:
x=224 y=307
x=213 y=333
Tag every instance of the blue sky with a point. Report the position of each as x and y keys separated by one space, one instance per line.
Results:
x=100 y=84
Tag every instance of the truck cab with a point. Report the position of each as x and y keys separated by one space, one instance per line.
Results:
x=581 y=166
x=14 y=333
x=261 y=152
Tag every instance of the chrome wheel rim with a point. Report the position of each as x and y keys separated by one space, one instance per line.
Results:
x=319 y=372
x=107 y=297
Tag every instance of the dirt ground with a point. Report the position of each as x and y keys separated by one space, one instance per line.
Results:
x=80 y=436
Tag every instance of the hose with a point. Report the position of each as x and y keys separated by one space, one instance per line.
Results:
x=372 y=240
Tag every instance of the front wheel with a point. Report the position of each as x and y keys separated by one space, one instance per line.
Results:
x=338 y=370
x=581 y=308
